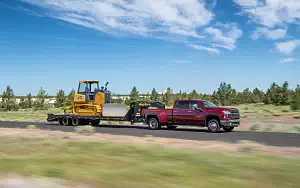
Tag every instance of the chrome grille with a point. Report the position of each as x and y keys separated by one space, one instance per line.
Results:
x=234 y=116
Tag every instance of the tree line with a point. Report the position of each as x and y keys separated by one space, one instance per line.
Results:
x=224 y=95
x=9 y=103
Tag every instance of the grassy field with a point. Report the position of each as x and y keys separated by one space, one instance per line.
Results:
x=113 y=165
x=28 y=115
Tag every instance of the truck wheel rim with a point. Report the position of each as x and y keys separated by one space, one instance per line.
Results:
x=153 y=123
x=213 y=126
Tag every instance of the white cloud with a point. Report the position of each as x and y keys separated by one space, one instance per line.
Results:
x=172 y=20
x=271 y=13
x=269 y=33
x=287 y=47
x=208 y=49
x=287 y=60
x=247 y=3
x=181 y=61
x=225 y=34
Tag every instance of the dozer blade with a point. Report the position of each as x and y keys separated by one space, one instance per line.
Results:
x=115 y=110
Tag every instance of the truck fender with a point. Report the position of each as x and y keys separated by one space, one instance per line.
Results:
x=211 y=116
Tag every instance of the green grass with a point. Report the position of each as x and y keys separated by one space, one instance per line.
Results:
x=28 y=115
x=260 y=111
x=113 y=166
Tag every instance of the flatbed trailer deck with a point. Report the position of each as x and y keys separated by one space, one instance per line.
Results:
x=134 y=115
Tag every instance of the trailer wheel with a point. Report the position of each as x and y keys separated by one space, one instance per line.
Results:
x=95 y=122
x=153 y=123
x=213 y=126
x=75 y=121
x=66 y=121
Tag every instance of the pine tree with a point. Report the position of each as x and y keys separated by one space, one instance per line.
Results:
x=22 y=103
x=8 y=100
x=40 y=102
x=133 y=97
x=193 y=95
x=215 y=98
x=70 y=97
x=154 y=95
x=28 y=101
x=296 y=99
x=168 y=98
x=224 y=92
x=285 y=94
x=60 y=99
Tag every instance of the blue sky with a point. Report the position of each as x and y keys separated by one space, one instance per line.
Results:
x=182 y=44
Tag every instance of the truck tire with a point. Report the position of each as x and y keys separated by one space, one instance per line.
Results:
x=171 y=126
x=228 y=129
x=153 y=123
x=213 y=126
x=95 y=122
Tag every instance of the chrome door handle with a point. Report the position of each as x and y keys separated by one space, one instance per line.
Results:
x=190 y=111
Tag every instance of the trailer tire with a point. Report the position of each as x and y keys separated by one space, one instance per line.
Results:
x=66 y=121
x=213 y=126
x=153 y=123
x=75 y=121
x=95 y=122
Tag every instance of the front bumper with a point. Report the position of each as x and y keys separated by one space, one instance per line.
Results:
x=230 y=123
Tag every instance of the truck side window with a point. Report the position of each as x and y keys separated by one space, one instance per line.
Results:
x=193 y=105
x=182 y=105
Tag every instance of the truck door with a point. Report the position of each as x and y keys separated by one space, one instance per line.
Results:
x=182 y=113
x=197 y=116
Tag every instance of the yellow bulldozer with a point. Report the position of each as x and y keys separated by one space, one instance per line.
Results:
x=92 y=104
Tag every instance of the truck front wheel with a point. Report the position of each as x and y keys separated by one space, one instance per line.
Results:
x=153 y=123
x=213 y=126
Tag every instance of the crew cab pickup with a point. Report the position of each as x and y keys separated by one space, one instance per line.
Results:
x=200 y=113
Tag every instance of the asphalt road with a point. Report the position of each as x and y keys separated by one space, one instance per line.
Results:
x=267 y=138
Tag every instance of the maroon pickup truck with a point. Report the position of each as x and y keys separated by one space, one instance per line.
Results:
x=193 y=113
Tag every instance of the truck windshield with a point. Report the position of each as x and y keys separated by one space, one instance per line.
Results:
x=208 y=104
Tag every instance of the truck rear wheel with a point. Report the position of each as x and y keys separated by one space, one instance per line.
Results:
x=153 y=123
x=171 y=126
x=213 y=126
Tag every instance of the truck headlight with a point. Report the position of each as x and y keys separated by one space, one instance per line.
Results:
x=226 y=114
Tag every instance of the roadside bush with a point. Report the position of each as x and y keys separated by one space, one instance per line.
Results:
x=285 y=110
x=295 y=129
x=246 y=146
x=31 y=127
x=296 y=117
x=85 y=130
x=256 y=127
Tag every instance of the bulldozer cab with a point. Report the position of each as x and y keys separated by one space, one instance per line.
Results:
x=89 y=88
